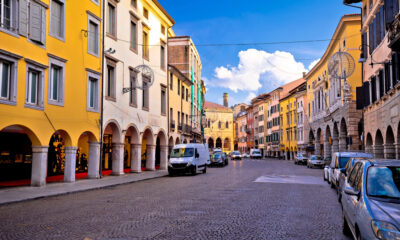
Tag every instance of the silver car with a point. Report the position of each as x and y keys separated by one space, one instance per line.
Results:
x=315 y=161
x=371 y=200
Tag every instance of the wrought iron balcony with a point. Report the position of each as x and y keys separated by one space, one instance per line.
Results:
x=394 y=33
x=180 y=127
x=172 y=125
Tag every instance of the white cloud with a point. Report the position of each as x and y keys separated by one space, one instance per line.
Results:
x=275 y=68
x=250 y=97
x=313 y=64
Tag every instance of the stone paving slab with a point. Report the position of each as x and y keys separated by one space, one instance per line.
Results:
x=18 y=194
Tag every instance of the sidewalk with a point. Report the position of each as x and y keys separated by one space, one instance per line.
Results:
x=18 y=194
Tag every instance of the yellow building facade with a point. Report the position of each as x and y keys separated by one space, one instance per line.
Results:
x=179 y=107
x=50 y=59
x=219 y=126
x=331 y=111
x=288 y=115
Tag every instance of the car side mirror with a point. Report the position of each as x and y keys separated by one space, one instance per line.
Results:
x=197 y=155
x=351 y=191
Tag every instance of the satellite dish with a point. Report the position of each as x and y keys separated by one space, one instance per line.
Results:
x=142 y=80
x=341 y=65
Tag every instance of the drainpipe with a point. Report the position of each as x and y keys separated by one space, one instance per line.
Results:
x=102 y=92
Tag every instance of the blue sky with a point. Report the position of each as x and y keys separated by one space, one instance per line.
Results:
x=245 y=71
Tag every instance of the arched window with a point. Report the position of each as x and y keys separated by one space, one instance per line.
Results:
x=219 y=124
x=226 y=124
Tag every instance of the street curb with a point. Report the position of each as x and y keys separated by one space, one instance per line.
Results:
x=82 y=190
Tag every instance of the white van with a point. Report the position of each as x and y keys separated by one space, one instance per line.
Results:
x=190 y=158
x=255 y=153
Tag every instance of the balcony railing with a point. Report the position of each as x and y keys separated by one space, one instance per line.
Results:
x=180 y=127
x=172 y=125
x=187 y=128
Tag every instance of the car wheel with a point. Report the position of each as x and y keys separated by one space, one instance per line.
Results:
x=205 y=169
x=345 y=226
x=194 y=171
x=324 y=177
x=332 y=186
x=170 y=173
x=339 y=197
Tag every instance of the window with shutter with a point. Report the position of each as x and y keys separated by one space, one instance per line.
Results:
x=57 y=19
x=373 y=89
x=23 y=18
x=387 y=77
x=133 y=93
x=371 y=39
x=93 y=35
x=395 y=68
x=34 y=87
x=92 y=92
x=35 y=21
x=381 y=84
x=389 y=11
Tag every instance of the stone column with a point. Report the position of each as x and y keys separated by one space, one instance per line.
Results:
x=136 y=158
x=94 y=160
x=397 y=150
x=317 y=148
x=164 y=158
x=150 y=158
x=369 y=149
x=70 y=164
x=327 y=149
x=39 y=165
x=378 y=151
x=342 y=144
x=335 y=145
x=118 y=159
x=389 y=151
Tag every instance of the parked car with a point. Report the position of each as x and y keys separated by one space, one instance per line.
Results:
x=315 y=161
x=339 y=160
x=246 y=155
x=327 y=160
x=188 y=158
x=343 y=175
x=326 y=172
x=255 y=153
x=236 y=155
x=301 y=158
x=371 y=200
x=219 y=159
x=217 y=150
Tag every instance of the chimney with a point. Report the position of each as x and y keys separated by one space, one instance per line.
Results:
x=304 y=74
x=226 y=97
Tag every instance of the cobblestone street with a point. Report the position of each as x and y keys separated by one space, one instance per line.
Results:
x=249 y=199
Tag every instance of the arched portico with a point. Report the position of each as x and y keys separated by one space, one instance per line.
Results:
x=369 y=144
x=335 y=138
x=88 y=156
x=61 y=157
x=343 y=147
x=389 y=147
x=161 y=161
x=148 y=150
x=132 y=150
x=327 y=142
x=378 y=146
x=218 y=143
x=227 y=144
x=26 y=157
x=113 y=150
x=210 y=143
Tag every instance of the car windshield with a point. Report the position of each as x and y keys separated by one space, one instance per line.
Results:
x=343 y=161
x=316 y=158
x=218 y=155
x=236 y=153
x=182 y=152
x=383 y=182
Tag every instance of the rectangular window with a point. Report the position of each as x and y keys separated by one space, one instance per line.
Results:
x=163 y=101
x=146 y=45
x=54 y=83
x=93 y=36
x=133 y=92
x=111 y=27
x=146 y=13
x=145 y=95
x=92 y=92
x=134 y=3
x=57 y=18
x=33 y=87
x=162 y=55
x=171 y=81
x=162 y=29
x=179 y=86
x=133 y=41
x=5 y=74
x=8 y=79
x=183 y=92
x=187 y=95
x=110 y=83
x=8 y=14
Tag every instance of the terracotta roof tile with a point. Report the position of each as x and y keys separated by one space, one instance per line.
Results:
x=290 y=86
x=214 y=106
